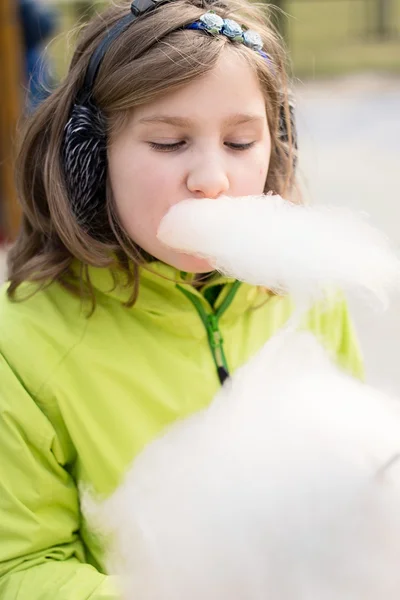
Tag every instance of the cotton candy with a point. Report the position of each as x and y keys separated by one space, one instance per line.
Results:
x=268 y=241
x=287 y=487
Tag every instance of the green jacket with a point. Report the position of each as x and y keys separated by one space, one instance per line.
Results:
x=80 y=397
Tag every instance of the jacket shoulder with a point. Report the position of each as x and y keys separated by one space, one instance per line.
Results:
x=38 y=329
x=331 y=322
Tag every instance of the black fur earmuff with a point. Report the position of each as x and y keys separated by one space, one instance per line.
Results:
x=84 y=148
x=85 y=163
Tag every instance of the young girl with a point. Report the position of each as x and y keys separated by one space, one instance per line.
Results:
x=106 y=335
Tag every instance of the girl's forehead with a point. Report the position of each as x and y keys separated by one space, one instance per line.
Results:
x=230 y=89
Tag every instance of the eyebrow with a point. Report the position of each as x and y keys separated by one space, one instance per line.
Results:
x=237 y=119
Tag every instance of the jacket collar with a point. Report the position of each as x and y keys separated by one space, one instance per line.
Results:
x=159 y=292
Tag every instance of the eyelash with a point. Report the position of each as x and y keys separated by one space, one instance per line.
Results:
x=178 y=145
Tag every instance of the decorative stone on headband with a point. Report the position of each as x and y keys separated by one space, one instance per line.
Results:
x=213 y=24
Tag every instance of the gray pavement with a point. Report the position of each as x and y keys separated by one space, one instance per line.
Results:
x=350 y=155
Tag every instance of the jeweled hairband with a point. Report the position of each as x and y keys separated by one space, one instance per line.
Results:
x=213 y=24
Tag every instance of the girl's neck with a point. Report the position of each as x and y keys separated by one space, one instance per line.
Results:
x=201 y=279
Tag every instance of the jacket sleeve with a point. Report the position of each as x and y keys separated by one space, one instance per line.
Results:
x=333 y=325
x=348 y=350
x=41 y=554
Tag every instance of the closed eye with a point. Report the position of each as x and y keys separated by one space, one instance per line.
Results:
x=178 y=145
x=239 y=146
x=166 y=147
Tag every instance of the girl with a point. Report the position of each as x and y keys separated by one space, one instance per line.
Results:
x=106 y=335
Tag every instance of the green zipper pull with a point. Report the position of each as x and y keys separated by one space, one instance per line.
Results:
x=216 y=343
x=211 y=324
x=216 y=339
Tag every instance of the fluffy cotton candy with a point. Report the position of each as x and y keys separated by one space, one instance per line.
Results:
x=282 y=489
x=288 y=486
x=268 y=241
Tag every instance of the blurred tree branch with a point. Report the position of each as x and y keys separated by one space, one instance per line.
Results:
x=383 y=16
x=11 y=81
x=279 y=17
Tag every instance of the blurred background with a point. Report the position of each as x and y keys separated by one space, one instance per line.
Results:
x=346 y=66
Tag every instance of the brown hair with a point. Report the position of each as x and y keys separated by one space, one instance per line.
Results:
x=152 y=56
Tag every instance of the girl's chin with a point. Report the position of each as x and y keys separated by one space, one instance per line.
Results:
x=191 y=264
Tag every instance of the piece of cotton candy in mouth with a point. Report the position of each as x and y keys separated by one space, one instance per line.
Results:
x=286 y=247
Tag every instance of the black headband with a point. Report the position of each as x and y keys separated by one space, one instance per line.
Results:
x=138 y=8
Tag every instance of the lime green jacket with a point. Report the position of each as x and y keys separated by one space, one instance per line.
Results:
x=80 y=397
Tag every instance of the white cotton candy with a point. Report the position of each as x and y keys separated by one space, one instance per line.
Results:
x=288 y=486
x=268 y=241
x=278 y=491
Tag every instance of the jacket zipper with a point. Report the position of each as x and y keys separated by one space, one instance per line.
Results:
x=211 y=323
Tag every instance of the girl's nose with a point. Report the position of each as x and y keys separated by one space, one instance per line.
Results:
x=208 y=179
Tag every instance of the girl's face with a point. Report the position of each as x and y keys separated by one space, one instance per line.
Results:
x=207 y=139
